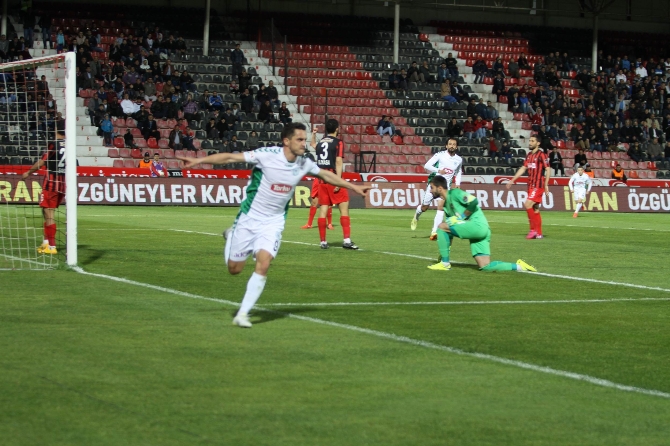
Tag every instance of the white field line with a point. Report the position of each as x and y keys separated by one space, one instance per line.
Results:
x=556 y=276
x=524 y=222
x=481 y=302
x=406 y=340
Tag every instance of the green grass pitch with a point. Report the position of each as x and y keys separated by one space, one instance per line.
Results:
x=86 y=360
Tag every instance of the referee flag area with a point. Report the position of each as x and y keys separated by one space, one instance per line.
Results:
x=136 y=346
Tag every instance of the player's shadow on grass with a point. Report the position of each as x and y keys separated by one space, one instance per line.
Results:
x=263 y=316
x=89 y=255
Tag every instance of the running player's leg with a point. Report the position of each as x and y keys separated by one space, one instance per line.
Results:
x=325 y=202
x=314 y=206
x=341 y=198
x=330 y=218
x=579 y=197
x=423 y=207
x=264 y=241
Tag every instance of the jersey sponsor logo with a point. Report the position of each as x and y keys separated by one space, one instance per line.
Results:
x=281 y=188
x=532 y=165
x=447 y=171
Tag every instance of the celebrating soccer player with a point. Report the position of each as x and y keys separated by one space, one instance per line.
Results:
x=53 y=189
x=466 y=221
x=329 y=154
x=449 y=165
x=539 y=172
x=580 y=185
x=258 y=228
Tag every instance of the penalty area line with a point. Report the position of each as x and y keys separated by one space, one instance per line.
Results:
x=413 y=256
x=402 y=339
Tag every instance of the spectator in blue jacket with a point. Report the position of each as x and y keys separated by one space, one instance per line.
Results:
x=443 y=73
x=215 y=101
x=107 y=130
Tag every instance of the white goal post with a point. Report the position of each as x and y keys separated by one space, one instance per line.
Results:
x=38 y=97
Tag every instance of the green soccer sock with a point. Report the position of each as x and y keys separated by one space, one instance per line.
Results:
x=444 y=245
x=500 y=266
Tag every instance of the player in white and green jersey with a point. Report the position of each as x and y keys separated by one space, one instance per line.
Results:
x=448 y=165
x=259 y=224
x=580 y=185
x=466 y=221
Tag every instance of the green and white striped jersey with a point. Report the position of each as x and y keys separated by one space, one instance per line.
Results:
x=273 y=180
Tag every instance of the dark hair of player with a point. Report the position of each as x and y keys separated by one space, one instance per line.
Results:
x=332 y=125
x=289 y=129
x=455 y=139
x=440 y=181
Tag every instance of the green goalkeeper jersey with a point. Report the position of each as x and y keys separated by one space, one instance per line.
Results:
x=458 y=201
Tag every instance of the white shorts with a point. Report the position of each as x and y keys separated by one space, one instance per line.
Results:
x=579 y=194
x=250 y=235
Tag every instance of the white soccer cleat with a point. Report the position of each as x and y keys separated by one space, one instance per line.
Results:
x=242 y=320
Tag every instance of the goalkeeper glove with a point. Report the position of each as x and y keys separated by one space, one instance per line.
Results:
x=455 y=220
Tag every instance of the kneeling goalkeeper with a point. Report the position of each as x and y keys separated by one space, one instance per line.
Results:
x=466 y=221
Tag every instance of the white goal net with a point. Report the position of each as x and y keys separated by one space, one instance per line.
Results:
x=38 y=192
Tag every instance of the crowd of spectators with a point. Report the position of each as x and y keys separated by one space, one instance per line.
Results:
x=141 y=82
x=624 y=106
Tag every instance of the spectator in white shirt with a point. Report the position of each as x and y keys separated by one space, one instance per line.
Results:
x=641 y=71
x=620 y=76
x=129 y=107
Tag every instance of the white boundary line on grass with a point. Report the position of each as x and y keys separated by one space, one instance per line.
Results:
x=556 y=276
x=580 y=226
x=480 y=302
x=418 y=343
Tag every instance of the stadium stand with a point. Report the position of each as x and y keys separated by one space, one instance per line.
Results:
x=342 y=70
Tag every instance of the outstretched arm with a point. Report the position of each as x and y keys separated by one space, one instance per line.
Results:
x=218 y=158
x=331 y=178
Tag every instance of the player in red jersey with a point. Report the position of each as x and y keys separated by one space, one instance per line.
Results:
x=539 y=172
x=314 y=196
x=53 y=189
x=329 y=156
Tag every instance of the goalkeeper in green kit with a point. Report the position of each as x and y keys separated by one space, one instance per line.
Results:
x=466 y=220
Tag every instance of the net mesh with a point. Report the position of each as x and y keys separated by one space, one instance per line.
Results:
x=32 y=103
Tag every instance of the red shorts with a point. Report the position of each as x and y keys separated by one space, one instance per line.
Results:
x=535 y=194
x=50 y=199
x=315 y=188
x=328 y=196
